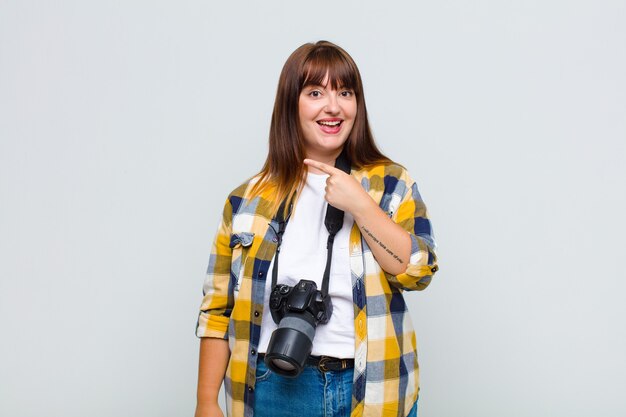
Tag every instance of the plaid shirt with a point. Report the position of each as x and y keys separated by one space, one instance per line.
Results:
x=386 y=378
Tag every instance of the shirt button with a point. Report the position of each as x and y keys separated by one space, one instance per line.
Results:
x=261 y=273
x=256 y=314
x=274 y=239
x=250 y=389
x=253 y=352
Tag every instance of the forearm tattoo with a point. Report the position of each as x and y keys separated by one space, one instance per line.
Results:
x=381 y=244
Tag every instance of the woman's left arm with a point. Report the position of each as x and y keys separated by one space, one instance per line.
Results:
x=389 y=242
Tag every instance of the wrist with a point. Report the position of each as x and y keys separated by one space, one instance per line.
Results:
x=208 y=410
x=364 y=209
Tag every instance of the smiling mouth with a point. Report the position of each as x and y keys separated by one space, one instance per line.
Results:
x=330 y=127
x=333 y=123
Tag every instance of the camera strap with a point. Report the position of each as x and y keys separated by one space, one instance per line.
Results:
x=333 y=222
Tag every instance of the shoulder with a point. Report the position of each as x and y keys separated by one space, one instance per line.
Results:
x=250 y=208
x=240 y=190
x=240 y=194
x=386 y=175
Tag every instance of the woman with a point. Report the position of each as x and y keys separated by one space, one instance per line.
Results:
x=363 y=361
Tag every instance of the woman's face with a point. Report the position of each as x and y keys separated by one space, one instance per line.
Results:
x=326 y=118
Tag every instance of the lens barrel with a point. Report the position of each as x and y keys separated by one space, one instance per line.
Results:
x=291 y=344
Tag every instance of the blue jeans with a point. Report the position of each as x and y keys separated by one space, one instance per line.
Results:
x=311 y=394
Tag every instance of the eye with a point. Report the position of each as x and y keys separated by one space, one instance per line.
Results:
x=347 y=93
x=315 y=93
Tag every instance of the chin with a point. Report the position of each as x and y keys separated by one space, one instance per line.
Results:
x=336 y=146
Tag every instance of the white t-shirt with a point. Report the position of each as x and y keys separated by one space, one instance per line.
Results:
x=303 y=256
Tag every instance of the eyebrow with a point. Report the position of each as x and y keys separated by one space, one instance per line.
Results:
x=314 y=86
x=339 y=87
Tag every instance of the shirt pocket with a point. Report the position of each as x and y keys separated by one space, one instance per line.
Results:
x=240 y=244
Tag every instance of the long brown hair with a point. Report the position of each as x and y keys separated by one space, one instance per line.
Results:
x=283 y=174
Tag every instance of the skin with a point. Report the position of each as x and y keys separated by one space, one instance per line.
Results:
x=214 y=356
x=390 y=244
x=317 y=103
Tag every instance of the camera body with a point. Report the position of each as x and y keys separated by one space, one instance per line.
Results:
x=302 y=298
x=297 y=310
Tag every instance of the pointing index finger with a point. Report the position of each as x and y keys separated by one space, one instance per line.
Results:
x=321 y=166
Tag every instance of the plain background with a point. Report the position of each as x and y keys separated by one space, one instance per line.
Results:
x=124 y=125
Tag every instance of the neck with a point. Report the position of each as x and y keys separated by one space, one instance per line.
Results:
x=328 y=159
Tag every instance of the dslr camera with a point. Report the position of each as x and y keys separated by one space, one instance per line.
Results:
x=297 y=310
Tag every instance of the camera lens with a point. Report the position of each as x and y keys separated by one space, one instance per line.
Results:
x=291 y=344
x=282 y=364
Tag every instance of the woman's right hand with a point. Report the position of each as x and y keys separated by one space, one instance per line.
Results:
x=214 y=354
x=209 y=410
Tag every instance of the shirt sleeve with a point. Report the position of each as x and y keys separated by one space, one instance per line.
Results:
x=412 y=215
x=218 y=300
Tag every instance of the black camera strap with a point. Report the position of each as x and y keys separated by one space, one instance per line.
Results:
x=333 y=222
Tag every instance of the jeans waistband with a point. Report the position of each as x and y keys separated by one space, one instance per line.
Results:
x=325 y=363
x=329 y=363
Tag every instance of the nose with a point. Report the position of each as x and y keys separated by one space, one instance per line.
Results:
x=332 y=104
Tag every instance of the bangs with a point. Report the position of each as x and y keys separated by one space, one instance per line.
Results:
x=323 y=62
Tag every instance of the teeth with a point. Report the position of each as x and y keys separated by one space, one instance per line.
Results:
x=335 y=123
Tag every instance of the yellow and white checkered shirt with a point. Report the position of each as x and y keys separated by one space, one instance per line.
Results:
x=386 y=373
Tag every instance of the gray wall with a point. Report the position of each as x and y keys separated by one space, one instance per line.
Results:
x=123 y=126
